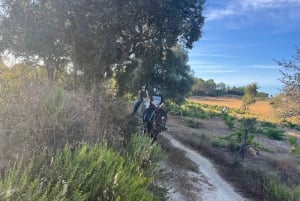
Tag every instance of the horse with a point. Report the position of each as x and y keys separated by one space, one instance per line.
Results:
x=142 y=107
x=156 y=124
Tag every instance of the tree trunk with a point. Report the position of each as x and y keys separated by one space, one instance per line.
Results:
x=51 y=70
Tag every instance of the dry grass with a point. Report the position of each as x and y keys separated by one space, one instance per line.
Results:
x=46 y=116
x=262 y=109
x=251 y=175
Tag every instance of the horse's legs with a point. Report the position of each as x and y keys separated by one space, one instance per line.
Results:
x=154 y=134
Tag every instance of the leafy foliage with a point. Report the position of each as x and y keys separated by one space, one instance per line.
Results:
x=289 y=100
x=274 y=133
x=295 y=147
x=280 y=191
x=35 y=115
x=250 y=94
x=87 y=173
x=169 y=69
x=210 y=88
x=103 y=39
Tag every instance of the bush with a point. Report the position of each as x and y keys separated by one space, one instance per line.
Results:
x=216 y=143
x=141 y=151
x=49 y=116
x=229 y=121
x=278 y=191
x=87 y=173
x=275 y=134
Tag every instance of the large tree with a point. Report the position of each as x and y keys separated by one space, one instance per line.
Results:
x=33 y=30
x=100 y=37
x=290 y=97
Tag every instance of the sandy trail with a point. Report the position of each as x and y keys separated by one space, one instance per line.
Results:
x=208 y=185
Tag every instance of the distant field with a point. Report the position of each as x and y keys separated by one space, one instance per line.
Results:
x=262 y=109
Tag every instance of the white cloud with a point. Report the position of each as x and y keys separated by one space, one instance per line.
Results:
x=220 y=13
x=264 y=66
x=206 y=67
x=242 y=7
x=199 y=53
x=260 y=4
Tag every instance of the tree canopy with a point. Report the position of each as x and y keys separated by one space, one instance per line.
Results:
x=250 y=94
x=210 y=88
x=290 y=97
x=100 y=38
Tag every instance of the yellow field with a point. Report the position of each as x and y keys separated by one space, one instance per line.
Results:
x=262 y=109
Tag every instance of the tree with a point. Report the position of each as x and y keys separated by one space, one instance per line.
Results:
x=169 y=69
x=238 y=91
x=221 y=88
x=101 y=38
x=204 y=88
x=290 y=98
x=250 y=94
x=198 y=88
x=33 y=29
x=174 y=74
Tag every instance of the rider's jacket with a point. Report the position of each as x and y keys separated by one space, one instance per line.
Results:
x=157 y=99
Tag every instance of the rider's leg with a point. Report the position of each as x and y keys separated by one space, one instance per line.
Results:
x=151 y=114
x=136 y=106
x=145 y=115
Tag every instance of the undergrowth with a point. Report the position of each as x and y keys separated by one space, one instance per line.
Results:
x=88 y=172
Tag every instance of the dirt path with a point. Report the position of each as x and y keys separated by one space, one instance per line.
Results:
x=206 y=185
x=184 y=182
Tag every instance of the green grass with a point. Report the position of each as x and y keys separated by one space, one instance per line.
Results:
x=89 y=172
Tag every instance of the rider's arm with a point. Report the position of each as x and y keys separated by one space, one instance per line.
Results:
x=162 y=102
x=161 y=105
x=152 y=103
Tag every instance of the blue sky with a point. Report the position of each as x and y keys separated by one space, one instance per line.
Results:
x=241 y=40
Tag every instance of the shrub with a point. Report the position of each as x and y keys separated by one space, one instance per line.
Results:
x=87 y=173
x=49 y=116
x=229 y=121
x=141 y=151
x=233 y=146
x=278 y=191
x=275 y=134
x=216 y=143
x=292 y=140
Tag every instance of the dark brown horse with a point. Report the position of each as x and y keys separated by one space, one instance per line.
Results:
x=156 y=124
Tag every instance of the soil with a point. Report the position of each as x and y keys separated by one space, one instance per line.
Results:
x=189 y=176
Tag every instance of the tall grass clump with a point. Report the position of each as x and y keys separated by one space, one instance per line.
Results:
x=35 y=114
x=278 y=191
x=146 y=155
x=89 y=172
x=295 y=147
x=229 y=120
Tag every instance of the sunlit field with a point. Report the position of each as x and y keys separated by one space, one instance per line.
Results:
x=262 y=109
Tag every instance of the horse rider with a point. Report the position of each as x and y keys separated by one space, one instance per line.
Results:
x=143 y=93
x=157 y=101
